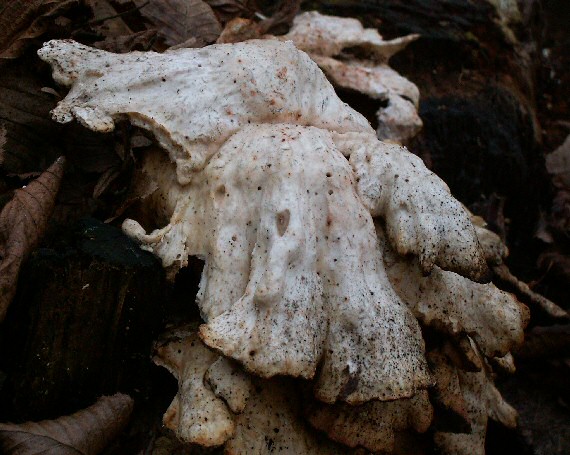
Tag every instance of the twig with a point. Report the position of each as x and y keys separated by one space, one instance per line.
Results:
x=504 y=274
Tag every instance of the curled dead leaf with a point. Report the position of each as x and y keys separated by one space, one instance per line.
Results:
x=23 y=221
x=106 y=19
x=283 y=16
x=87 y=432
x=117 y=35
x=140 y=41
x=22 y=21
x=227 y=10
x=31 y=138
x=239 y=29
x=179 y=21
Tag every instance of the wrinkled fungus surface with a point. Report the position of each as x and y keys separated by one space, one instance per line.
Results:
x=329 y=254
x=264 y=413
x=217 y=90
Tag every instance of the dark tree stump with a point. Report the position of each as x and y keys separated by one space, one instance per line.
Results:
x=81 y=325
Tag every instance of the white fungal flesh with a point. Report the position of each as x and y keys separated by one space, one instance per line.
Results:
x=421 y=216
x=298 y=280
x=373 y=425
x=229 y=383
x=325 y=37
x=216 y=90
x=271 y=424
x=196 y=415
x=264 y=420
x=330 y=35
x=482 y=401
x=451 y=303
x=376 y=81
x=313 y=286
x=293 y=274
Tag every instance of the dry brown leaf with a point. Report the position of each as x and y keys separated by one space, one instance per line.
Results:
x=283 y=16
x=30 y=135
x=239 y=29
x=106 y=179
x=20 y=21
x=106 y=19
x=141 y=41
x=23 y=221
x=227 y=10
x=86 y=432
x=179 y=21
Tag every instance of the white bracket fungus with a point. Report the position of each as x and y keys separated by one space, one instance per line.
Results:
x=264 y=413
x=274 y=182
x=356 y=58
x=216 y=90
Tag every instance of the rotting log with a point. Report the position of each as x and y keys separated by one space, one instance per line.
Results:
x=81 y=325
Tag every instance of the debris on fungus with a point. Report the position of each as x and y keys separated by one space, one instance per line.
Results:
x=329 y=255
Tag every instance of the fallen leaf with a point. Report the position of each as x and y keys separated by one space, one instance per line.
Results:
x=178 y=21
x=106 y=19
x=282 y=18
x=227 y=10
x=30 y=136
x=20 y=21
x=23 y=221
x=141 y=41
x=142 y=186
x=106 y=179
x=87 y=432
